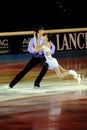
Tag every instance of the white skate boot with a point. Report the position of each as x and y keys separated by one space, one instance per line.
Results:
x=78 y=78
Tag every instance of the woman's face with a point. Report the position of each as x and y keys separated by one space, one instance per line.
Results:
x=45 y=38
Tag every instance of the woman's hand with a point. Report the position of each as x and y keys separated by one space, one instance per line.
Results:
x=37 y=48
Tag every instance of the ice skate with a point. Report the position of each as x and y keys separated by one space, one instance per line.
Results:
x=78 y=78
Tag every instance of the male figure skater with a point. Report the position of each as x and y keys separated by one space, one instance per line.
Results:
x=37 y=58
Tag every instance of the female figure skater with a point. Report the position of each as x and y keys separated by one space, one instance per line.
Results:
x=53 y=63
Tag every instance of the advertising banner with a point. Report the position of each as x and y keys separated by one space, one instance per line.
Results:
x=66 y=42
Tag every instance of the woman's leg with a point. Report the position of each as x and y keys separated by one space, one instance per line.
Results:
x=62 y=69
x=61 y=72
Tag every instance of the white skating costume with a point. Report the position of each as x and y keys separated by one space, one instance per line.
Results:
x=52 y=62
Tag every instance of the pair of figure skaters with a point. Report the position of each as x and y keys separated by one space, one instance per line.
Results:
x=42 y=49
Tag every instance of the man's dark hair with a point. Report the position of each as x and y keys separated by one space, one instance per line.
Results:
x=38 y=27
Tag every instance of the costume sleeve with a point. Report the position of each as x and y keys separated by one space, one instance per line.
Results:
x=30 y=45
x=52 y=48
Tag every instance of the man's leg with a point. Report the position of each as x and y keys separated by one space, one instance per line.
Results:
x=32 y=63
x=41 y=75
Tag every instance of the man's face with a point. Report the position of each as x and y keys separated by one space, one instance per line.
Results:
x=41 y=32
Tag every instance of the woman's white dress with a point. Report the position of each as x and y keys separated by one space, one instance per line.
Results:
x=52 y=62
